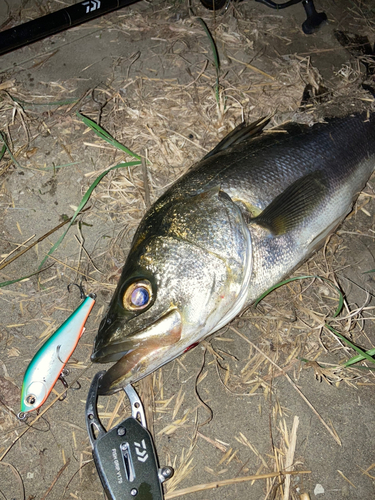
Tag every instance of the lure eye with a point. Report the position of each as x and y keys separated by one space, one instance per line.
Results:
x=138 y=295
x=31 y=399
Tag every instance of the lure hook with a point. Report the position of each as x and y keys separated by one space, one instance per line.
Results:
x=48 y=363
x=65 y=384
x=58 y=354
x=78 y=386
x=82 y=290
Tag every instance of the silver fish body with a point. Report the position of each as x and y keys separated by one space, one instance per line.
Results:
x=234 y=225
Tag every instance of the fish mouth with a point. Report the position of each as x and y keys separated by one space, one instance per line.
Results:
x=132 y=352
x=163 y=332
x=132 y=367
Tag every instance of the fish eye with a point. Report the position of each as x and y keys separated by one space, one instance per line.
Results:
x=31 y=399
x=138 y=295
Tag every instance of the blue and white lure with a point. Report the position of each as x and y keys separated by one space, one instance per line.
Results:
x=49 y=362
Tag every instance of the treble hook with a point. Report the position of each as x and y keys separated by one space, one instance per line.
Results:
x=65 y=384
x=62 y=376
x=82 y=290
x=76 y=388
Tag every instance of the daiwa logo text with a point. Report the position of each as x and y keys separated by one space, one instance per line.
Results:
x=141 y=451
x=91 y=5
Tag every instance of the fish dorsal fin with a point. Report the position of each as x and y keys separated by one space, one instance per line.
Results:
x=241 y=133
x=292 y=206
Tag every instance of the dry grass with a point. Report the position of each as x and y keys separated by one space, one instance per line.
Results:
x=172 y=122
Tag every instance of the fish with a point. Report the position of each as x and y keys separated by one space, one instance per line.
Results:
x=235 y=224
x=50 y=360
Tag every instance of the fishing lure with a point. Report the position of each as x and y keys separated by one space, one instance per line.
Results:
x=49 y=362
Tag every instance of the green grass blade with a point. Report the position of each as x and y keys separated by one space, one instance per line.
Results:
x=304 y=360
x=356 y=359
x=6 y=148
x=7 y=283
x=2 y=152
x=215 y=54
x=83 y=202
x=103 y=134
x=278 y=285
x=362 y=353
x=213 y=45
x=2 y=137
x=289 y=280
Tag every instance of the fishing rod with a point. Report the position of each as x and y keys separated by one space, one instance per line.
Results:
x=62 y=19
x=53 y=23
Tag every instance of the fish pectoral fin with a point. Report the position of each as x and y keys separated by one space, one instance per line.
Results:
x=241 y=133
x=292 y=206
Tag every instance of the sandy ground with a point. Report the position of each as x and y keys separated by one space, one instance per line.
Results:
x=145 y=73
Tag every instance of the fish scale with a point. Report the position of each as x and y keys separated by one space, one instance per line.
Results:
x=233 y=226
